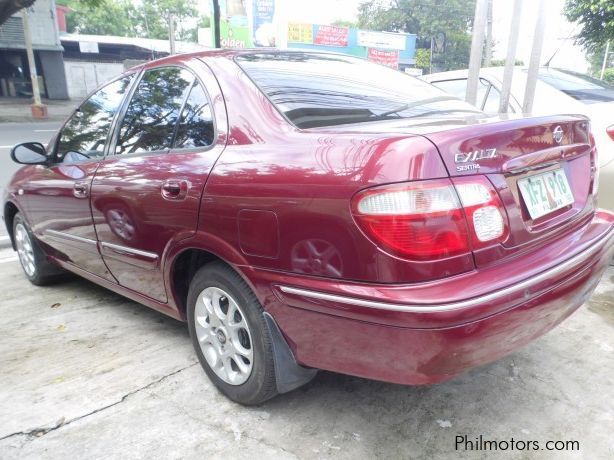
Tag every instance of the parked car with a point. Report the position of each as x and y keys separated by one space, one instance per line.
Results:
x=557 y=91
x=306 y=211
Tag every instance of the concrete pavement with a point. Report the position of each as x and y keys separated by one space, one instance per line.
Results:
x=18 y=110
x=88 y=374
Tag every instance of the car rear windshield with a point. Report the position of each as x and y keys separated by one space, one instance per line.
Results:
x=581 y=87
x=315 y=90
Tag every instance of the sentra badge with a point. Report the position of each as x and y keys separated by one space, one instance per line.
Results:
x=468 y=161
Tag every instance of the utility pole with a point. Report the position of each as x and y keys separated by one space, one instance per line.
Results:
x=217 y=41
x=171 y=32
x=477 y=46
x=605 y=59
x=536 y=52
x=489 y=43
x=431 y=57
x=510 y=58
x=38 y=109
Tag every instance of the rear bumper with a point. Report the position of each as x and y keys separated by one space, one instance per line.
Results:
x=431 y=332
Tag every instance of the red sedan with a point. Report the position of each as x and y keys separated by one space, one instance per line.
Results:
x=307 y=211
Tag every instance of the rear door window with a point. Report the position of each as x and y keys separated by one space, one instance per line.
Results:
x=152 y=114
x=196 y=124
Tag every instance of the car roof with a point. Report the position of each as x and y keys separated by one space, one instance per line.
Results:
x=230 y=53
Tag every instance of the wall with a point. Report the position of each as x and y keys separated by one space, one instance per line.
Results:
x=52 y=67
x=83 y=77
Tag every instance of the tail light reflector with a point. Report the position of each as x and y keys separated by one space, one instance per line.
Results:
x=610 y=131
x=484 y=211
x=426 y=220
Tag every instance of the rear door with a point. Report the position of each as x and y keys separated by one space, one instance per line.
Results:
x=57 y=196
x=146 y=194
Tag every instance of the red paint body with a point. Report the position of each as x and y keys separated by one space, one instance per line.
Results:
x=267 y=192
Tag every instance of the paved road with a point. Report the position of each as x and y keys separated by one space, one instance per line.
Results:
x=87 y=374
x=14 y=133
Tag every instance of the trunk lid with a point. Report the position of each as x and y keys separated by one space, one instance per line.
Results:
x=510 y=152
x=531 y=162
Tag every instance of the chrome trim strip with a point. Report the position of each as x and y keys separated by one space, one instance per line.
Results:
x=427 y=308
x=129 y=251
x=69 y=236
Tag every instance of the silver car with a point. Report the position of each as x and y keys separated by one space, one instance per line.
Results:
x=558 y=91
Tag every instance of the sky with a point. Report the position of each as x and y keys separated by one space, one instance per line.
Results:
x=557 y=33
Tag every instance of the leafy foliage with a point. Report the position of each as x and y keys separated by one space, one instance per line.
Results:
x=608 y=76
x=596 y=17
x=126 y=18
x=10 y=7
x=426 y=19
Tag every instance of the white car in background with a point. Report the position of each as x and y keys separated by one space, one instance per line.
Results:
x=557 y=91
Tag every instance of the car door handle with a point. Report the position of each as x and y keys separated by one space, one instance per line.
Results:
x=81 y=189
x=175 y=189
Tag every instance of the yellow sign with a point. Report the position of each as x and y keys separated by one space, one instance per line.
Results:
x=299 y=32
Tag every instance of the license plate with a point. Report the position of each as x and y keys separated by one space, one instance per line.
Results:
x=547 y=192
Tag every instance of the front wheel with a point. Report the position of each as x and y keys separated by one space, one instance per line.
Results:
x=230 y=336
x=33 y=260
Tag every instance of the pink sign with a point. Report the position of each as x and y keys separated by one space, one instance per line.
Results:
x=389 y=58
x=332 y=36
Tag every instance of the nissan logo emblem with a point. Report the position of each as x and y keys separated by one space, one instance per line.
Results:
x=557 y=134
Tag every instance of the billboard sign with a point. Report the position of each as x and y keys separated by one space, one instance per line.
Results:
x=263 y=12
x=389 y=58
x=385 y=40
x=331 y=36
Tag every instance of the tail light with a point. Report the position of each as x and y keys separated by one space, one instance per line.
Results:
x=484 y=211
x=426 y=220
x=610 y=131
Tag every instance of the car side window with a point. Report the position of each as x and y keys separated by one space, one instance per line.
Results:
x=196 y=124
x=491 y=104
x=458 y=88
x=153 y=111
x=85 y=134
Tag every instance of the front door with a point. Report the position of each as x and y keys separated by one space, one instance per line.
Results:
x=147 y=194
x=58 y=195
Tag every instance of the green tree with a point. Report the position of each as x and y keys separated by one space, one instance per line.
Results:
x=426 y=19
x=124 y=18
x=10 y=7
x=343 y=23
x=117 y=17
x=596 y=18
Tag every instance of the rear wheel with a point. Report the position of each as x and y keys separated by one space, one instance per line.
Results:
x=33 y=260
x=230 y=335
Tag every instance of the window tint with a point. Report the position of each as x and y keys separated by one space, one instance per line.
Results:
x=317 y=89
x=196 y=124
x=458 y=88
x=85 y=134
x=153 y=111
x=581 y=87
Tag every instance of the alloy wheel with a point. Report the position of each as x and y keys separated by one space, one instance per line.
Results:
x=25 y=249
x=224 y=336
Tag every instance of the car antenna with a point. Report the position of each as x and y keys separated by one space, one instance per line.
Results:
x=547 y=64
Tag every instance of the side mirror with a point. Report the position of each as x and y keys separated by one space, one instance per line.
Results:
x=29 y=153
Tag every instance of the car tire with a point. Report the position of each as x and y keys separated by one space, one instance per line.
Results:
x=230 y=335
x=32 y=259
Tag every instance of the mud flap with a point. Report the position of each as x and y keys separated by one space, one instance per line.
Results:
x=289 y=375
